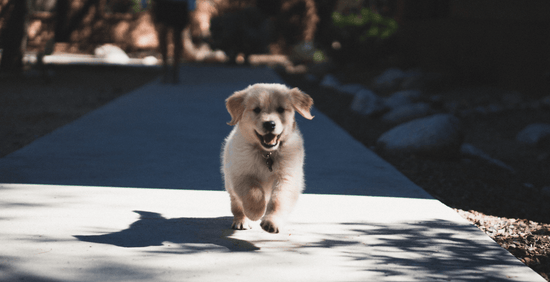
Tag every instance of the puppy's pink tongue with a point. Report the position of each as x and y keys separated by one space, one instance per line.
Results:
x=270 y=139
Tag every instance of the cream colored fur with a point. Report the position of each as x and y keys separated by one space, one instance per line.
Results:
x=255 y=191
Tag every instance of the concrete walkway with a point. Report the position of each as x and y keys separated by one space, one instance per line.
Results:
x=64 y=215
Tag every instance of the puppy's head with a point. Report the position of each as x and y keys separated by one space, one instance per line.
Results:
x=265 y=112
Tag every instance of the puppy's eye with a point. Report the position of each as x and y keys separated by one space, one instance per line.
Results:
x=257 y=110
x=280 y=110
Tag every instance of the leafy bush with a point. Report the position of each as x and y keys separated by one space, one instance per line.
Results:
x=127 y=6
x=368 y=23
x=361 y=37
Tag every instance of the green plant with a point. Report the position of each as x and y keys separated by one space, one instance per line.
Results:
x=319 y=56
x=140 y=5
x=127 y=6
x=371 y=24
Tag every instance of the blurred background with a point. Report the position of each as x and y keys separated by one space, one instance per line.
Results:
x=504 y=42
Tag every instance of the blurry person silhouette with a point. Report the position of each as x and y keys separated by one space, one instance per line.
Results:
x=171 y=16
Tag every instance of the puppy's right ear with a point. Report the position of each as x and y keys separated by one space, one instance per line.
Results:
x=235 y=106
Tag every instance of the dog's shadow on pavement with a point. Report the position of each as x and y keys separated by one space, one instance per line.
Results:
x=190 y=234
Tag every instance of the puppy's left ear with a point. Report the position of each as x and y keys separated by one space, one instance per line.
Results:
x=302 y=102
x=235 y=106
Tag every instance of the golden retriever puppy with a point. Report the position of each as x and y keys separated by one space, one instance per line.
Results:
x=263 y=156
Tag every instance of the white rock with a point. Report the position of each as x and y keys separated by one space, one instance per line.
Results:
x=219 y=56
x=402 y=98
x=407 y=112
x=350 y=88
x=366 y=102
x=389 y=79
x=437 y=136
x=150 y=61
x=534 y=134
x=330 y=81
x=111 y=54
x=470 y=150
x=311 y=77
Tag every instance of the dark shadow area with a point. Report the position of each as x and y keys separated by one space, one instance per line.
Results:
x=152 y=229
x=452 y=255
x=435 y=249
x=463 y=182
x=14 y=275
x=12 y=271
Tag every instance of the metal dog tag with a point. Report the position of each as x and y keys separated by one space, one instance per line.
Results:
x=269 y=163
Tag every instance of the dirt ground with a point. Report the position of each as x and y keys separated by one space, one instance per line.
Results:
x=32 y=106
x=507 y=206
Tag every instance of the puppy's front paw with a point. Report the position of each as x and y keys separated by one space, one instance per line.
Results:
x=254 y=203
x=270 y=226
x=241 y=224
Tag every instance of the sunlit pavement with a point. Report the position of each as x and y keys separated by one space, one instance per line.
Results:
x=68 y=217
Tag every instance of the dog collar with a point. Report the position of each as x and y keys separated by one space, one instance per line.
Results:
x=268 y=160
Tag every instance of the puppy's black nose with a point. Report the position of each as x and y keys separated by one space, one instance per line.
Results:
x=269 y=126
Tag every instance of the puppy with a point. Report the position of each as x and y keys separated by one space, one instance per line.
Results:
x=263 y=156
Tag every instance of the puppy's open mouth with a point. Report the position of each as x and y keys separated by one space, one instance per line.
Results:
x=269 y=140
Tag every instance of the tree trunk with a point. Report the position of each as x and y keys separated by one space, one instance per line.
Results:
x=14 y=37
